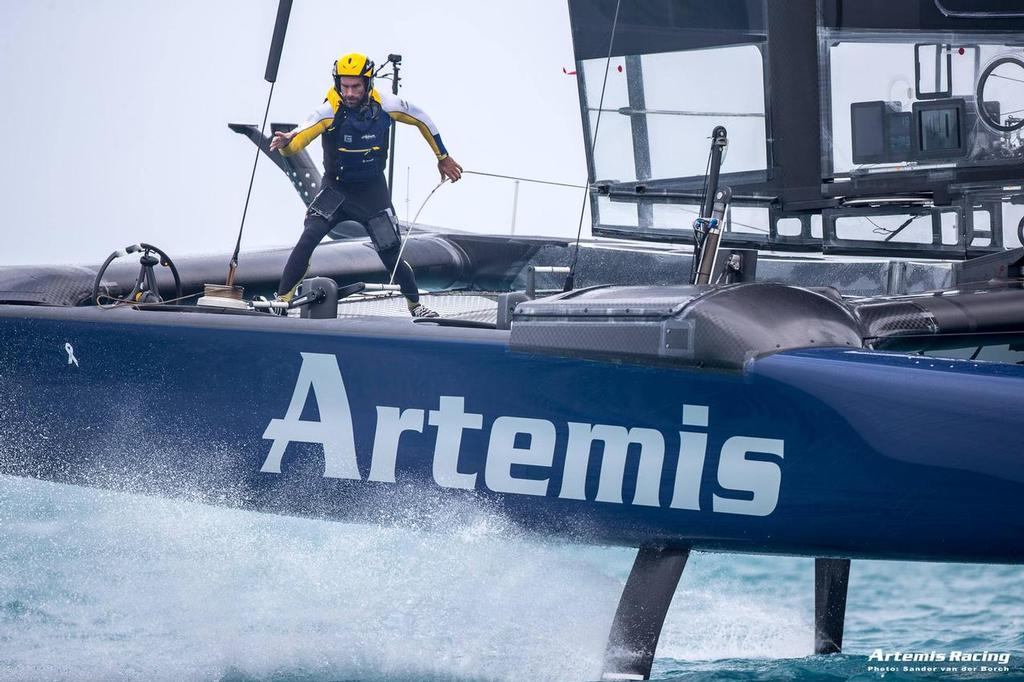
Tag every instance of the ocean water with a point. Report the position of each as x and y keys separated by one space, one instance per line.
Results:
x=101 y=585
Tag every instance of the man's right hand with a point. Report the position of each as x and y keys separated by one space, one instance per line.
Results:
x=280 y=140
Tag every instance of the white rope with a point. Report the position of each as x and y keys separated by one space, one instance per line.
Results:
x=409 y=231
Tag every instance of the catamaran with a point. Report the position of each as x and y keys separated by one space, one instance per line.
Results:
x=818 y=350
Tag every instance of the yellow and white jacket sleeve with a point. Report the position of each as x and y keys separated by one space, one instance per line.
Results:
x=315 y=124
x=402 y=110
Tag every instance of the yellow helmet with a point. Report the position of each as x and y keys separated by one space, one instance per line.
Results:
x=353 y=64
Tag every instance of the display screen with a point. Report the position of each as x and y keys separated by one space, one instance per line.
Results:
x=940 y=129
x=901 y=135
x=881 y=132
x=868 y=131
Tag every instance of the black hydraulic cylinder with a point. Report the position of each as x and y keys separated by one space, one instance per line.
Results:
x=719 y=140
x=709 y=250
x=831 y=580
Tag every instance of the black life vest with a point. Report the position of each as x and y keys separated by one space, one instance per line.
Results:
x=356 y=144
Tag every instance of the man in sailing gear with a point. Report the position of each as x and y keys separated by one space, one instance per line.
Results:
x=354 y=122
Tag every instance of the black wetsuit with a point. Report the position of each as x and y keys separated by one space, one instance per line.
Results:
x=361 y=200
x=355 y=146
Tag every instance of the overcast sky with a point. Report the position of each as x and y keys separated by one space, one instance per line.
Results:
x=115 y=117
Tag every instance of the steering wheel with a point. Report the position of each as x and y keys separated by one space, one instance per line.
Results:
x=145 y=289
x=990 y=118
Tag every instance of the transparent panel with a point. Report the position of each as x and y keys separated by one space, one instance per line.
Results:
x=617 y=212
x=849 y=62
x=789 y=227
x=950 y=229
x=966 y=62
x=1013 y=225
x=876 y=121
x=656 y=119
x=747 y=220
x=613 y=148
x=675 y=216
x=982 y=224
x=680 y=120
x=898 y=229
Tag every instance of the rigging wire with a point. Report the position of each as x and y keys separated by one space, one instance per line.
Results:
x=629 y=111
x=593 y=145
x=996 y=75
x=552 y=183
x=465 y=172
x=284 y=9
x=753 y=228
x=118 y=303
x=233 y=265
x=398 y=261
x=524 y=179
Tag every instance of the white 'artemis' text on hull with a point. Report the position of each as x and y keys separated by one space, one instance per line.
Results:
x=758 y=480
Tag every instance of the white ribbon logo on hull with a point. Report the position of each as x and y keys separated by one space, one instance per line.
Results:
x=69 y=349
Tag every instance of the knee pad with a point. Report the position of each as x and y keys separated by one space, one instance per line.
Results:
x=383 y=230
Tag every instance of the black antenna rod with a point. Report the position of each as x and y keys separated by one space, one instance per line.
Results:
x=284 y=9
x=396 y=62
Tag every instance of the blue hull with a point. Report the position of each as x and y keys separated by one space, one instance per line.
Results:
x=821 y=452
